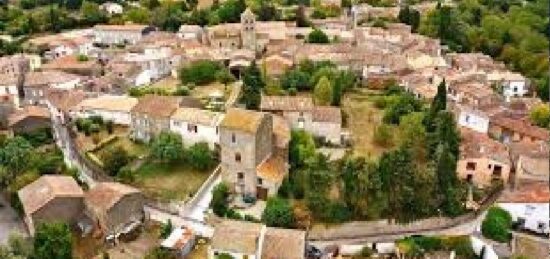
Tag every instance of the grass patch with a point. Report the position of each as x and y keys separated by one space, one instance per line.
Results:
x=177 y=181
x=134 y=149
x=363 y=117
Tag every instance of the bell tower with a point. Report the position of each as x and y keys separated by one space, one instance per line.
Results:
x=248 y=30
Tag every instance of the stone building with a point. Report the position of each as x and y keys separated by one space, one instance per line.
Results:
x=249 y=159
x=120 y=34
x=114 y=206
x=51 y=198
x=29 y=119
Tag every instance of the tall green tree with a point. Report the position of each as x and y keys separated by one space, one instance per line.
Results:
x=447 y=182
x=53 y=240
x=15 y=156
x=322 y=93
x=439 y=103
x=253 y=84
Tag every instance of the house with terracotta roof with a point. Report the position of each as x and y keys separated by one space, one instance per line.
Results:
x=276 y=65
x=482 y=160
x=9 y=89
x=51 y=198
x=196 y=125
x=531 y=160
x=321 y=121
x=35 y=85
x=72 y=64
x=251 y=162
x=111 y=108
x=120 y=34
x=528 y=204
x=509 y=128
x=114 y=207
x=62 y=102
x=29 y=119
x=253 y=240
x=151 y=115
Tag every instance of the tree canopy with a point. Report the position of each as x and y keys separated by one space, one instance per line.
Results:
x=53 y=240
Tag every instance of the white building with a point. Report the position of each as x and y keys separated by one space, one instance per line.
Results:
x=512 y=84
x=114 y=108
x=473 y=119
x=528 y=205
x=8 y=87
x=112 y=8
x=196 y=125
x=155 y=62
x=191 y=32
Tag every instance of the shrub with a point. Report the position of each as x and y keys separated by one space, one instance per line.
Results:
x=199 y=156
x=125 y=175
x=182 y=91
x=167 y=147
x=219 y=199
x=166 y=229
x=278 y=213
x=497 y=224
x=292 y=91
x=200 y=72
x=317 y=36
x=114 y=159
x=96 y=119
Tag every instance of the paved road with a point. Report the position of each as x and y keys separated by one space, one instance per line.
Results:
x=10 y=222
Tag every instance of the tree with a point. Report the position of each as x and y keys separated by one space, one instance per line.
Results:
x=14 y=155
x=53 y=240
x=219 y=199
x=200 y=156
x=166 y=229
x=412 y=133
x=167 y=147
x=446 y=133
x=405 y=104
x=301 y=148
x=322 y=93
x=200 y=72
x=92 y=14
x=317 y=36
x=278 y=213
x=409 y=16
x=497 y=224
x=296 y=79
x=540 y=115
x=230 y=11
x=114 y=159
x=253 y=84
x=447 y=182
x=301 y=18
x=169 y=16
x=267 y=11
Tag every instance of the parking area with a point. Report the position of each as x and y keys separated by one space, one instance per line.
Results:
x=9 y=221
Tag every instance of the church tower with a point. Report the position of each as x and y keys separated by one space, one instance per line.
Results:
x=248 y=30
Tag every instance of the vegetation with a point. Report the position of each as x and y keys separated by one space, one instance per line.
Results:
x=14 y=156
x=278 y=213
x=409 y=16
x=166 y=229
x=16 y=247
x=167 y=147
x=253 y=83
x=318 y=36
x=114 y=159
x=220 y=194
x=418 y=246
x=323 y=92
x=540 y=115
x=53 y=240
x=497 y=225
x=204 y=72
x=510 y=31
x=199 y=156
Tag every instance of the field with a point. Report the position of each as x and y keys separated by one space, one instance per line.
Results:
x=363 y=117
x=169 y=181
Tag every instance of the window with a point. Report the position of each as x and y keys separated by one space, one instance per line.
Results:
x=176 y=123
x=233 y=138
x=489 y=166
x=497 y=170
x=541 y=226
x=467 y=118
x=192 y=128
x=238 y=157
x=217 y=130
x=240 y=176
x=260 y=181
x=471 y=166
x=301 y=123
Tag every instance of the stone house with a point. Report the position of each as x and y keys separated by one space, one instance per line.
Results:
x=51 y=198
x=473 y=119
x=531 y=161
x=62 y=102
x=120 y=34
x=191 y=32
x=114 y=206
x=510 y=84
x=509 y=128
x=249 y=160
x=482 y=160
x=196 y=125
x=36 y=84
x=300 y=112
x=111 y=108
x=254 y=240
x=29 y=119
x=9 y=88
x=71 y=64
x=276 y=65
x=151 y=115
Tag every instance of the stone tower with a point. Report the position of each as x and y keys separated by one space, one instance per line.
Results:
x=248 y=30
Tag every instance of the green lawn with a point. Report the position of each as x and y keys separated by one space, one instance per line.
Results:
x=169 y=181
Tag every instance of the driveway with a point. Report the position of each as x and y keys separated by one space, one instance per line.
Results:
x=10 y=222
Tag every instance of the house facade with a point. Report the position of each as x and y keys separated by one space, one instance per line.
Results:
x=114 y=206
x=36 y=84
x=473 y=119
x=120 y=34
x=51 y=198
x=111 y=108
x=482 y=159
x=196 y=125
x=151 y=115
x=528 y=205
x=250 y=162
